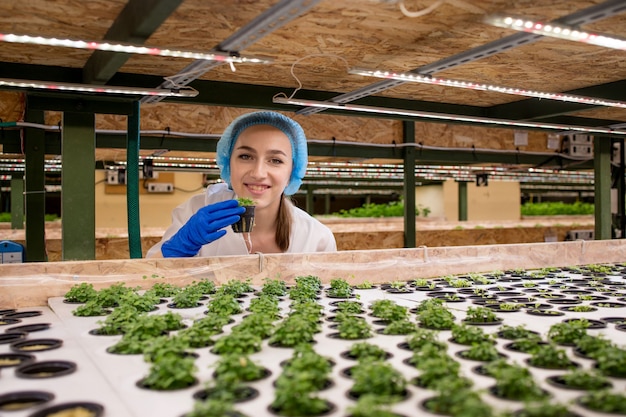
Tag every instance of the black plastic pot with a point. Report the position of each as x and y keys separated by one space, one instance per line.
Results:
x=558 y=382
x=11 y=337
x=96 y=409
x=36 y=345
x=45 y=369
x=22 y=314
x=245 y=224
x=29 y=328
x=240 y=394
x=22 y=400
x=8 y=360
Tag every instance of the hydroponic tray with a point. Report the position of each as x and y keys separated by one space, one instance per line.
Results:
x=111 y=379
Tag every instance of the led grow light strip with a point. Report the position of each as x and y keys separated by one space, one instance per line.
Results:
x=427 y=79
x=443 y=116
x=556 y=30
x=86 y=88
x=130 y=49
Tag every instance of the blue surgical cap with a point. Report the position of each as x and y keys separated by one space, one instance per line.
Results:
x=289 y=127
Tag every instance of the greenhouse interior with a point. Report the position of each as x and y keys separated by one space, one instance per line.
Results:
x=437 y=191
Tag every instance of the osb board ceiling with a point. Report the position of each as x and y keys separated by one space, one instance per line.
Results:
x=320 y=46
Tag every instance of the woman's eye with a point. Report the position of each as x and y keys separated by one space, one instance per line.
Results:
x=245 y=157
x=277 y=161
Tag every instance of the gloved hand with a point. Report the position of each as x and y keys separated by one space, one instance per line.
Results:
x=203 y=227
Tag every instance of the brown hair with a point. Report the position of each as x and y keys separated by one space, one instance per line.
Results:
x=283 y=224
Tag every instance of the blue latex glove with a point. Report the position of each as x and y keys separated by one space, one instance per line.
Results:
x=202 y=228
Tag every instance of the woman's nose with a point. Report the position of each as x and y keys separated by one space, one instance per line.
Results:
x=258 y=170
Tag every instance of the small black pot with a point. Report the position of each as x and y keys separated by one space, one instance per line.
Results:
x=8 y=360
x=245 y=224
x=22 y=400
x=95 y=408
x=45 y=369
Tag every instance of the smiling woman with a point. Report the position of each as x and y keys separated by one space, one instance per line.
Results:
x=261 y=156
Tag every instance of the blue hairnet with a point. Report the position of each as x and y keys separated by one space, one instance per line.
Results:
x=288 y=126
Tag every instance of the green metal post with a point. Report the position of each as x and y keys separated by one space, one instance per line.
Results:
x=327 y=203
x=408 y=132
x=17 y=200
x=35 y=192
x=462 y=200
x=132 y=182
x=602 y=187
x=78 y=196
x=310 y=203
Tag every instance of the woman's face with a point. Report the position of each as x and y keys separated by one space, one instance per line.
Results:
x=261 y=164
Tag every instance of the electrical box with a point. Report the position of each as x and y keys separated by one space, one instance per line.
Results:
x=11 y=252
x=160 y=187
x=578 y=145
x=580 y=235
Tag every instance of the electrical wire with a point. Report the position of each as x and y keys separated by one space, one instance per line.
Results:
x=419 y=13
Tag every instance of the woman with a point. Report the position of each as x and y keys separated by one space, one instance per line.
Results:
x=261 y=156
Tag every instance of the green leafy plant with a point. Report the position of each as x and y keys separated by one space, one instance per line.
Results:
x=89 y=309
x=458 y=400
x=353 y=327
x=399 y=327
x=171 y=372
x=246 y=201
x=274 y=287
x=437 y=318
x=224 y=304
x=611 y=361
x=119 y=320
x=584 y=379
x=468 y=335
x=378 y=378
x=349 y=307
x=365 y=285
x=204 y=286
x=567 y=333
x=364 y=351
x=163 y=289
x=339 y=288
x=556 y=208
x=515 y=382
x=549 y=356
x=234 y=369
x=294 y=330
x=242 y=343
x=516 y=332
x=81 y=293
x=257 y=324
x=371 y=406
x=482 y=351
x=544 y=408
x=388 y=310
x=604 y=401
x=480 y=315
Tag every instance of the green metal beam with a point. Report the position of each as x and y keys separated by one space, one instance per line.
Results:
x=602 y=168
x=462 y=190
x=132 y=181
x=93 y=105
x=17 y=200
x=408 y=136
x=135 y=24
x=78 y=199
x=35 y=192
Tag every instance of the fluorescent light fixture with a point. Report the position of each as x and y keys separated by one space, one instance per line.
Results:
x=427 y=79
x=100 y=89
x=444 y=116
x=131 y=49
x=556 y=30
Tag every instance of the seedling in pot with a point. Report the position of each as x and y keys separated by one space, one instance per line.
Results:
x=378 y=378
x=583 y=379
x=339 y=288
x=246 y=223
x=364 y=351
x=455 y=399
x=550 y=357
x=81 y=293
x=170 y=372
x=516 y=383
x=353 y=327
x=479 y=315
x=436 y=318
x=371 y=406
x=388 y=310
x=604 y=401
x=400 y=327
x=468 y=335
x=567 y=333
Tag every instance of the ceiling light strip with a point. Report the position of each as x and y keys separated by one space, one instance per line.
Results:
x=99 y=89
x=130 y=49
x=556 y=30
x=427 y=79
x=443 y=116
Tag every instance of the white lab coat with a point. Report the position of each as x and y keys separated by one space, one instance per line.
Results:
x=307 y=233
